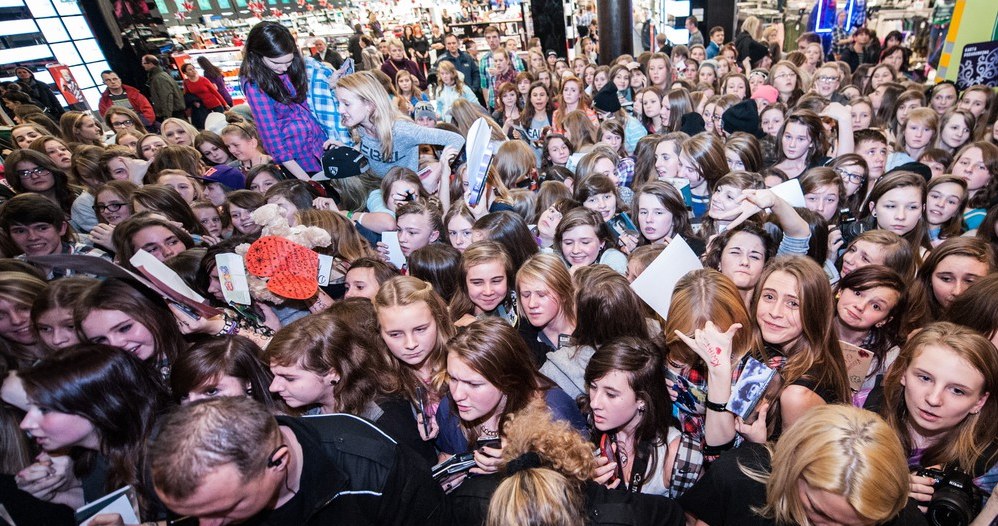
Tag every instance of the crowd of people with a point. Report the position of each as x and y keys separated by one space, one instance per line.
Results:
x=503 y=370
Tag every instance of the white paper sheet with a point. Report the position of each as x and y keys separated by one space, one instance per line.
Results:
x=656 y=283
x=395 y=255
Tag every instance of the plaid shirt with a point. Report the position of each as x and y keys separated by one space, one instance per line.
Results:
x=839 y=33
x=488 y=83
x=289 y=132
x=323 y=102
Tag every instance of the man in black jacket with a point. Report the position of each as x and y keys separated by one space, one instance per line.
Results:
x=39 y=91
x=356 y=48
x=228 y=460
x=464 y=62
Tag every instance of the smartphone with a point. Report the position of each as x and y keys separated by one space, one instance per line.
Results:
x=494 y=443
x=608 y=452
x=421 y=407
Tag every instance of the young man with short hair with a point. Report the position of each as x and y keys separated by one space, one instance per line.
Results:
x=716 y=40
x=486 y=67
x=37 y=227
x=871 y=145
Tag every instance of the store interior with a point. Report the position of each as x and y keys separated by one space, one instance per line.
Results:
x=90 y=36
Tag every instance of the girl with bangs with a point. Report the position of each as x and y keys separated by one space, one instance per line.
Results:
x=786 y=78
x=708 y=337
x=383 y=134
x=274 y=78
x=661 y=215
x=414 y=325
x=485 y=287
x=871 y=312
x=628 y=407
x=955 y=130
x=919 y=134
x=725 y=201
x=938 y=400
x=945 y=198
x=702 y=163
x=100 y=404
x=224 y=366
x=793 y=316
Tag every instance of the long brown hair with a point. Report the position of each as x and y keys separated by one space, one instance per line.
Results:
x=707 y=295
x=964 y=444
x=815 y=355
x=492 y=348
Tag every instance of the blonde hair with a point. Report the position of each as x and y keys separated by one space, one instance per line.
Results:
x=842 y=450
x=383 y=113
x=448 y=66
x=402 y=291
x=549 y=270
x=538 y=497
x=188 y=127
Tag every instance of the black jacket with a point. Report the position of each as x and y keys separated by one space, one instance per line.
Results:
x=43 y=94
x=604 y=507
x=354 y=474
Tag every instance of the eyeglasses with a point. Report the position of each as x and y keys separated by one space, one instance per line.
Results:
x=122 y=124
x=110 y=207
x=785 y=76
x=828 y=80
x=34 y=172
x=851 y=177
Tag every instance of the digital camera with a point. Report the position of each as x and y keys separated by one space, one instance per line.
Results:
x=956 y=500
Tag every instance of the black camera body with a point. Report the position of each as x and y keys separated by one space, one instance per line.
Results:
x=956 y=500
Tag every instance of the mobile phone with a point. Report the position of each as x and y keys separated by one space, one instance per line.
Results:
x=487 y=442
x=608 y=452
x=421 y=407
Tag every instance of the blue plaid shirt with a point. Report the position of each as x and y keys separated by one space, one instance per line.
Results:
x=323 y=102
x=289 y=132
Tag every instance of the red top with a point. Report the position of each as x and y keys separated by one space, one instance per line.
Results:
x=205 y=90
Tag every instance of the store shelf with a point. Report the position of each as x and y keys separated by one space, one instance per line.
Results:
x=486 y=22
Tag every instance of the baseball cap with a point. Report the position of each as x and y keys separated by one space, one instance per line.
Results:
x=340 y=162
x=227 y=176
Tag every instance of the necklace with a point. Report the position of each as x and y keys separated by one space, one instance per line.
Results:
x=623 y=458
x=490 y=433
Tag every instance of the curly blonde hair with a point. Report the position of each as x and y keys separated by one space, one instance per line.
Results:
x=562 y=448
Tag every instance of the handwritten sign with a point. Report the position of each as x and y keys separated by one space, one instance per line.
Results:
x=857 y=364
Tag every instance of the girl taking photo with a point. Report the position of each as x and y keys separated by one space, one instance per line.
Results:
x=937 y=398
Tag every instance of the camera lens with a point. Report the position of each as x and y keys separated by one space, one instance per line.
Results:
x=950 y=507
